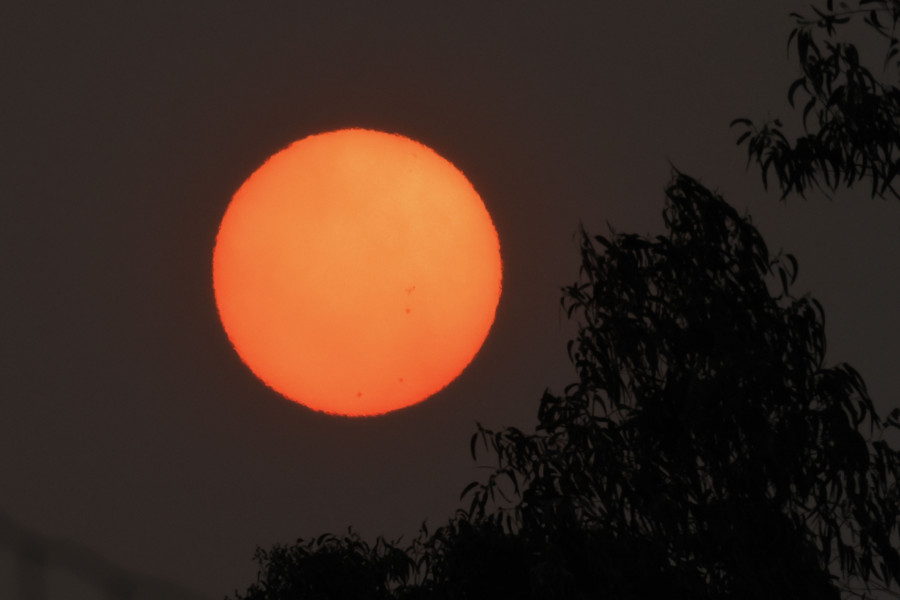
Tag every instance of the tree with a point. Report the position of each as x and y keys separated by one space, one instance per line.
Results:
x=705 y=421
x=330 y=568
x=851 y=117
x=705 y=451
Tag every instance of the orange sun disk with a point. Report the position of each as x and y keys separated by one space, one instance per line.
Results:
x=357 y=272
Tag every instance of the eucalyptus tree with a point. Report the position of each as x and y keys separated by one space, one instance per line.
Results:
x=705 y=425
x=705 y=450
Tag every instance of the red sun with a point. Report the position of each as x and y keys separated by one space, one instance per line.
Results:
x=357 y=272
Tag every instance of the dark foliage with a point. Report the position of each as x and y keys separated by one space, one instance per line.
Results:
x=478 y=558
x=851 y=116
x=330 y=568
x=705 y=451
x=705 y=421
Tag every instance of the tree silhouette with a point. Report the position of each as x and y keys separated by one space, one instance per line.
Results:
x=851 y=117
x=704 y=420
x=330 y=568
x=706 y=450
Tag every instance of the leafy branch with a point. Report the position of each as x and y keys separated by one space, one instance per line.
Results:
x=850 y=118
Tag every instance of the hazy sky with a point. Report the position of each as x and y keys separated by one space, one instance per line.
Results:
x=128 y=423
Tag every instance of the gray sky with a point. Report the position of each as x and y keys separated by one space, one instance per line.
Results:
x=130 y=426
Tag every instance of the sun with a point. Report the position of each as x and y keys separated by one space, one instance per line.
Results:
x=357 y=272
